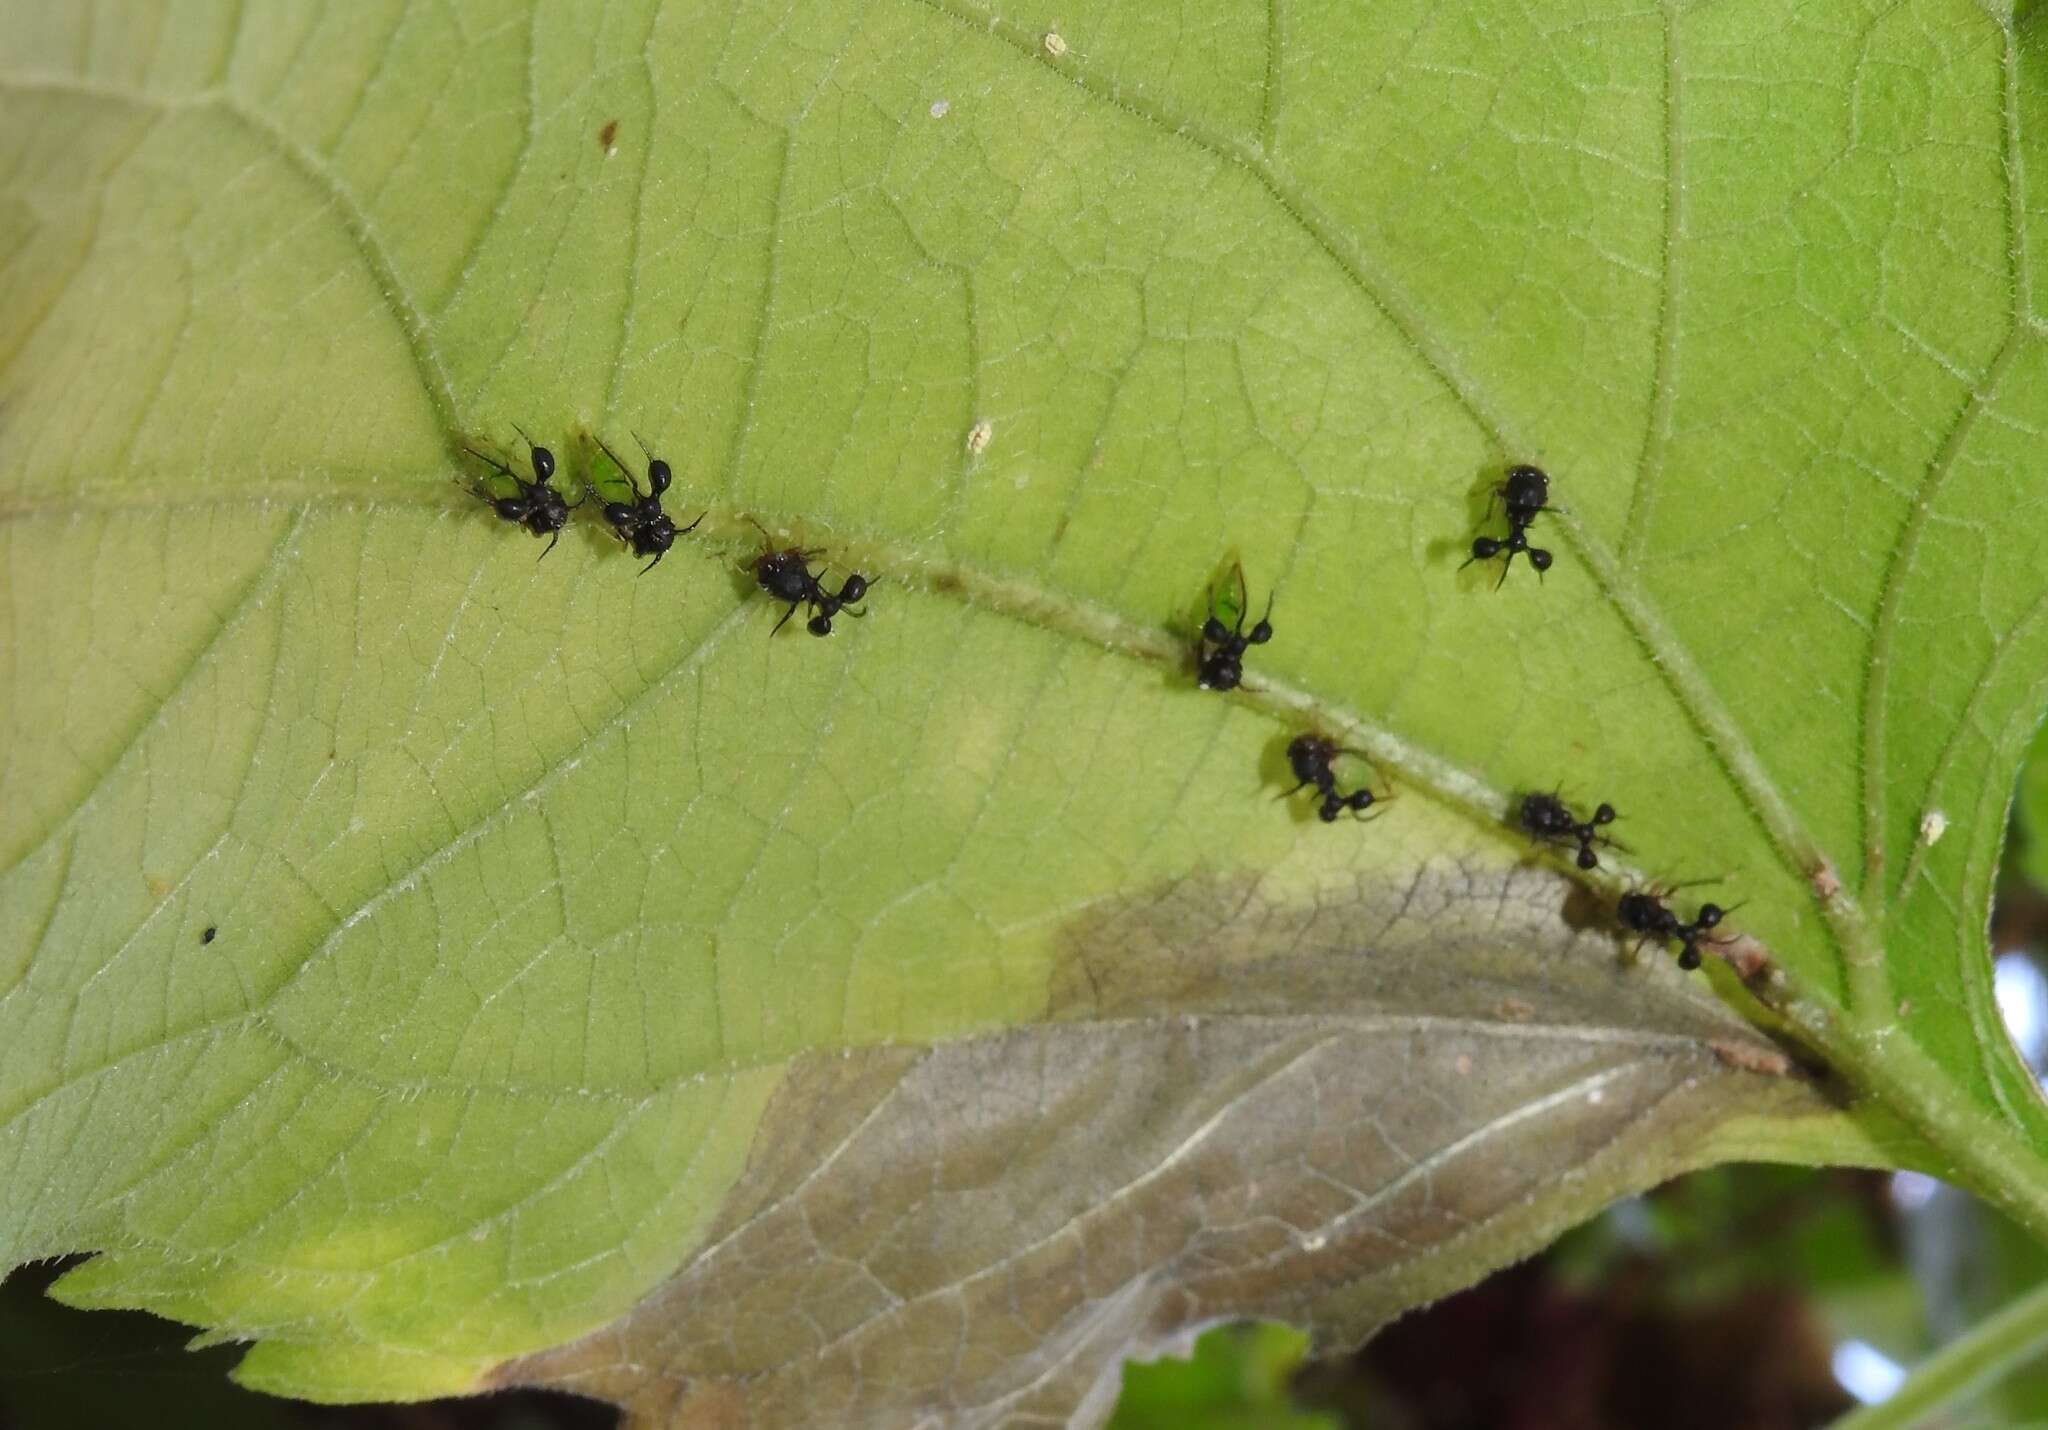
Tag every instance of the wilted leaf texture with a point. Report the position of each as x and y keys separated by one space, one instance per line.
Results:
x=903 y=1027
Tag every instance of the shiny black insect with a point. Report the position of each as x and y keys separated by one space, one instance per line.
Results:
x=1310 y=756
x=538 y=507
x=1525 y=494
x=1219 y=656
x=208 y=935
x=1692 y=934
x=1643 y=912
x=784 y=572
x=1549 y=820
x=825 y=605
x=641 y=523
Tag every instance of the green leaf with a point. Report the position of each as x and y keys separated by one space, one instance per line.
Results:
x=2030 y=859
x=1234 y=1378
x=601 y=991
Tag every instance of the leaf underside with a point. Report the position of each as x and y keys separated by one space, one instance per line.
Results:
x=985 y=1230
x=445 y=968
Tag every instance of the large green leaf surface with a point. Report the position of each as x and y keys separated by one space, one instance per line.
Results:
x=917 y=1021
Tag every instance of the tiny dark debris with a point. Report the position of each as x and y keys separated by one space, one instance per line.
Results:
x=608 y=134
x=208 y=936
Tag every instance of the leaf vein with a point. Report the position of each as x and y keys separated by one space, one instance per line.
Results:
x=1664 y=373
x=261 y=580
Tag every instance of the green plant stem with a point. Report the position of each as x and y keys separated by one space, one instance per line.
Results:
x=1969 y=1363
x=1985 y=1155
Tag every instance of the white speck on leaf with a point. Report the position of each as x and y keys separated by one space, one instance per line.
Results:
x=978 y=437
x=1933 y=825
x=940 y=108
x=1055 y=45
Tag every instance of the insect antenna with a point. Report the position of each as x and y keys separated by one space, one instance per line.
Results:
x=624 y=470
x=492 y=462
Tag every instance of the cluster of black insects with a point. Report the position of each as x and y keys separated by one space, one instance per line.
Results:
x=785 y=574
x=1219 y=654
x=647 y=530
